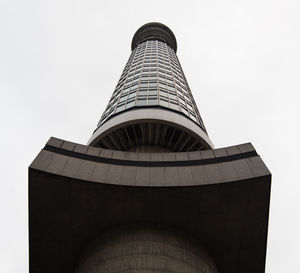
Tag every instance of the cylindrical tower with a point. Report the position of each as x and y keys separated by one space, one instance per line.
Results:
x=144 y=249
x=152 y=108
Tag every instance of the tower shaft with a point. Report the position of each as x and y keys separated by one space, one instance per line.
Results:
x=152 y=107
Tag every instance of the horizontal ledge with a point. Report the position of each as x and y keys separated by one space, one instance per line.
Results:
x=150 y=163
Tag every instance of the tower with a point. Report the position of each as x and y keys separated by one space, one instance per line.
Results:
x=152 y=107
x=149 y=193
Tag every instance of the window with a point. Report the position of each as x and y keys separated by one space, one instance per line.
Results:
x=163 y=102
x=174 y=105
x=184 y=110
x=120 y=108
x=162 y=85
x=142 y=92
x=171 y=88
x=126 y=88
x=131 y=95
x=152 y=101
x=130 y=103
x=153 y=84
x=123 y=98
x=141 y=101
x=152 y=92
x=172 y=96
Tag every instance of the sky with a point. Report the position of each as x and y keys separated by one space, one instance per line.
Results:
x=60 y=62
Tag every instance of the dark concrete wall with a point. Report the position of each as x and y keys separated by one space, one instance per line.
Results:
x=150 y=169
x=219 y=197
x=144 y=249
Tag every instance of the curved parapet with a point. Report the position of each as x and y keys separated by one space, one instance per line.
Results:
x=220 y=197
x=152 y=127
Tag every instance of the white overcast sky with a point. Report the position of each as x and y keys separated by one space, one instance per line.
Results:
x=60 y=61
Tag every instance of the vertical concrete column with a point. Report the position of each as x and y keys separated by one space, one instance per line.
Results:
x=144 y=249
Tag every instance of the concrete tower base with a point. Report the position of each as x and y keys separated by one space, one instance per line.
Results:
x=218 y=197
x=144 y=249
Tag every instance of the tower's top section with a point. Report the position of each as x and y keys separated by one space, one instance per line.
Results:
x=154 y=31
